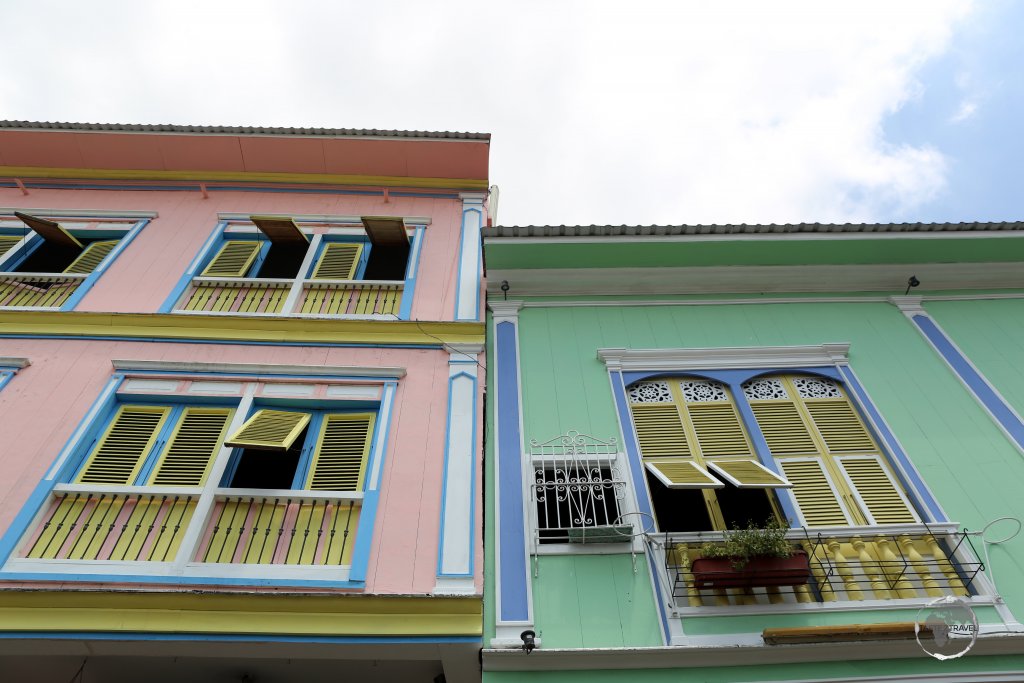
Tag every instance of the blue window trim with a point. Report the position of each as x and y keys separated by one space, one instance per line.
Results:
x=907 y=475
x=6 y=374
x=78 y=447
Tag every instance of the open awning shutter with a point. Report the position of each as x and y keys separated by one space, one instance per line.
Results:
x=192 y=447
x=280 y=229
x=338 y=261
x=659 y=430
x=386 y=231
x=269 y=430
x=233 y=259
x=124 y=446
x=91 y=257
x=877 y=491
x=50 y=231
x=339 y=462
x=748 y=474
x=682 y=474
x=7 y=243
x=815 y=495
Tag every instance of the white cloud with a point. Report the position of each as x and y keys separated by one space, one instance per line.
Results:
x=966 y=110
x=601 y=111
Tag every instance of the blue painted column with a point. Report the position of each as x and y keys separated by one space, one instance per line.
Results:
x=512 y=588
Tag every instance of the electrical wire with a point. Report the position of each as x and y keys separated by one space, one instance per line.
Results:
x=447 y=347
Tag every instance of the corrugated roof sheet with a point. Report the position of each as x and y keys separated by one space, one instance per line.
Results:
x=525 y=231
x=240 y=130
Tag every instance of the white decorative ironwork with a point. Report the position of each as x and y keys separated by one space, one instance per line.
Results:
x=650 y=392
x=703 y=391
x=578 y=483
x=764 y=390
x=816 y=387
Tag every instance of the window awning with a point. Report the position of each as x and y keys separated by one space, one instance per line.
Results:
x=386 y=231
x=682 y=474
x=269 y=430
x=748 y=474
x=50 y=231
x=280 y=229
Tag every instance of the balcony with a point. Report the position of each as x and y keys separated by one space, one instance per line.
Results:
x=847 y=565
x=38 y=290
x=231 y=533
x=298 y=298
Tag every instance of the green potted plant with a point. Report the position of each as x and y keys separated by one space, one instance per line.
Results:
x=756 y=556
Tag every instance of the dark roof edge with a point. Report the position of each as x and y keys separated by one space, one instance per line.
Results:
x=627 y=231
x=239 y=130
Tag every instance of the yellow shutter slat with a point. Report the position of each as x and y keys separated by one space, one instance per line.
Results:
x=338 y=261
x=747 y=474
x=718 y=429
x=818 y=502
x=269 y=430
x=682 y=474
x=122 y=449
x=91 y=257
x=783 y=428
x=877 y=490
x=840 y=427
x=339 y=462
x=192 y=447
x=233 y=259
x=7 y=243
x=659 y=430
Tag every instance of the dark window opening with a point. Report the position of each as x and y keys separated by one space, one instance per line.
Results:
x=743 y=507
x=387 y=262
x=282 y=261
x=50 y=258
x=268 y=469
x=574 y=497
x=678 y=509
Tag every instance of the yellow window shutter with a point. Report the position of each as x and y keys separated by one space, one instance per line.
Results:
x=819 y=502
x=192 y=448
x=50 y=231
x=339 y=462
x=233 y=259
x=748 y=474
x=682 y=474
x=877 y=491
x=91 y=257
x=839 y=426
x=783 y=428
x=7 y=243
x=338 y=261
x=280 y=229
x=659 y=429
x=122 y=449
x=269 y=430
x=718 y=429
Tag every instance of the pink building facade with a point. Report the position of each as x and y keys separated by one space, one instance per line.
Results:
x=241 y=397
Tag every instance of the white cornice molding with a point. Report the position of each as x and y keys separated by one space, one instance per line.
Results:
x=503 y=310
x=472 y=350
x=78 y=213
x=725 y=357
x=318 y=218
x=472 y=197
x=258 y=369
x=14 y=362
x=909 y=305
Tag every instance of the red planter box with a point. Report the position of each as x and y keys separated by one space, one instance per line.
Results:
x=759 y=572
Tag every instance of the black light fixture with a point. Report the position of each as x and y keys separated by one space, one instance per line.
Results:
x=505 y=288
x=912 y=282
x=529 y=641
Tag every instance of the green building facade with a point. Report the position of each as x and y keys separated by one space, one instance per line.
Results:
x=651 y=388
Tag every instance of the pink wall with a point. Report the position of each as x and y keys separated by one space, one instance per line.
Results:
x=44 y=403
x=144 y=275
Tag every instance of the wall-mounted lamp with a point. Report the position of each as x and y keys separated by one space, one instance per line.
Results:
x=529 y=641
x=505 y=288
x=912 y=282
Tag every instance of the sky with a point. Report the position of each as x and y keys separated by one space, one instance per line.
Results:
x=601 y=112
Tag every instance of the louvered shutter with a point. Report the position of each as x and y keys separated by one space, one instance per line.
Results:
x=91 y=257
x=7 y=243
x=817 y=499
x=339 y=461
x=659 y=430
x=783 y=428
x=233 y=259
x=718 y=429
x=270 y=430
x=192 y=448
x=747 y=474
x=125 y=445
x=338 y=261
x=839 y=426
x=870 y=479
x=682 y=474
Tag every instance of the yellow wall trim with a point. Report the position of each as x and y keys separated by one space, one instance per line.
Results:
x=238 y=328
x=334 y=614
x=239 y=176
